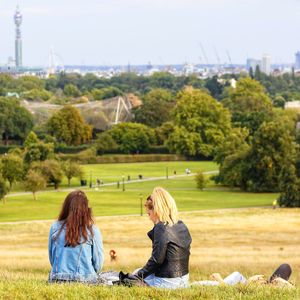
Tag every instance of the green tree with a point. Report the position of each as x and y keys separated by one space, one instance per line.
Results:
x=51 y=170
x=290 y=187
x=36 y=150
x=3 y=189
x=273 y=148
x=235 y=142
x=37 y=95
x=132 y=137
x=71 y=90
x=68 y=126
x=72 y=169
x=200 y=180
x=162 y=80
x=201 y=124
x=34 y=182
x=105 y=143
x=249 y=104
x=106 y=93
x=15 y=121
x=31 y=139
x=156 y=108
x=12 y=168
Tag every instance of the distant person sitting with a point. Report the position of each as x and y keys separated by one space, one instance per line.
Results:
x=187 y=171
x=75 y=243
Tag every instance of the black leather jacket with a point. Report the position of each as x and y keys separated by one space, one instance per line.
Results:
x=170 y=251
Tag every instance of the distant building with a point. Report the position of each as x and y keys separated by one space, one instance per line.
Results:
x=292 y=105
x=253 y=63
x=266 y=64
x=297 y=60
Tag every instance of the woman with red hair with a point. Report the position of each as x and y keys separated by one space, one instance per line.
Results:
x=75 y=243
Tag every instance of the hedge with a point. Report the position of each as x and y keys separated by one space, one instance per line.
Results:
x=106 y=159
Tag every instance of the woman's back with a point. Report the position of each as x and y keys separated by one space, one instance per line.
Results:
x=75 y=244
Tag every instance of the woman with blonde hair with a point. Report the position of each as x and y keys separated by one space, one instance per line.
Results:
x=168 y=266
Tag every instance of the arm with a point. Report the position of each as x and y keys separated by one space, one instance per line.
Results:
x=50 y=245
x=97 y=250
x=159 y=250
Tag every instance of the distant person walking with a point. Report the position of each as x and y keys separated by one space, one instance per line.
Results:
x=75 y=243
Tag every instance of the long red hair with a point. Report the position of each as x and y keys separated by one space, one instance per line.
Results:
x=77 y=217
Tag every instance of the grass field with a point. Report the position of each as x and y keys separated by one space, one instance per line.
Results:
x=251 y=240
x=110 y=200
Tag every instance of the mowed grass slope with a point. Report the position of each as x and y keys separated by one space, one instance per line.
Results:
x=111 y=200
x=252 y=241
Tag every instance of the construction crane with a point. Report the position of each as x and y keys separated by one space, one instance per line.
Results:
x=203 y=53
x=217 y=55
x=229 y=58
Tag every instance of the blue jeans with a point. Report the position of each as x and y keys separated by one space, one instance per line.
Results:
x=168 y=283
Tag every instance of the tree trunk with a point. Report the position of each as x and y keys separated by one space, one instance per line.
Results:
x=5 y=139
x=34 y=197
x=69 y=181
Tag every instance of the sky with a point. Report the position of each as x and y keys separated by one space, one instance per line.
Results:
x=113 y=32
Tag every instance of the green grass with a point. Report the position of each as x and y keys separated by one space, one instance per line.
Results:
x=114 y=172
x=113 y=201
x=30 y=289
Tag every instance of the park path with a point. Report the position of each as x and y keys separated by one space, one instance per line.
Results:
x=110 y=184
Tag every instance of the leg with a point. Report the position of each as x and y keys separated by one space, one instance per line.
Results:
x=284 y=271
x=235 y=278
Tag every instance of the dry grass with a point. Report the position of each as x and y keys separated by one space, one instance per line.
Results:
x=251 y=241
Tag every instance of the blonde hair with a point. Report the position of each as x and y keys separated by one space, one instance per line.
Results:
x=163 y=205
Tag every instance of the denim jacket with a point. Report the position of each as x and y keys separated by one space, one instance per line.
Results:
x=80 y=263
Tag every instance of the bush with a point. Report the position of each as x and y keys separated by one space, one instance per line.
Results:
x=107 y=159
x=200 y=180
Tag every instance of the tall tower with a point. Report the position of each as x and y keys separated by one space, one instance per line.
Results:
x=297 y=62
x=18 y=42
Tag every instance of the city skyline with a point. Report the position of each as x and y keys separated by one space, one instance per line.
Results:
x=121 y=32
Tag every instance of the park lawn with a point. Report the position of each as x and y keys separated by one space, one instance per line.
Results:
x=111 y=200
x=114 y=172
x=251 y=241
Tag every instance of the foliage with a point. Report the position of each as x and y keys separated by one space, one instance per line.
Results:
x=71 y=90
x=201 y=124
x=34 y=182
x=258 y=167
x=68 y=126
x=106 y=93
x=236 y=141
x=200 y=180
x=72 y=169
x=156 y=108
x=105 y=143
x=36 y=150
x=163 y=132
x=51 y=170
x=37 y=95
x=31 y=139
x=249 y=104
x=3 y=189
x=290 y=187
x=132 y=137
x=15 y=121
x=12 y=168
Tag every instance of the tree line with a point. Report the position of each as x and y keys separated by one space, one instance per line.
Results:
x=242 y=128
